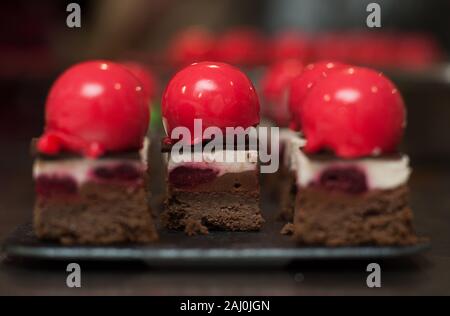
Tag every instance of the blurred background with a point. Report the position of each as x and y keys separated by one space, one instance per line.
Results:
x=411 y=46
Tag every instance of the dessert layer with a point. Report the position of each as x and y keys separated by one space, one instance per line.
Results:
x=220 y=161
x=213 y=210
x=83 y=170
x=249 y=142
x=64 y=169
x=141 y=154
x=380 y=217
x=207 y=180
x=99 y=214
x=368 y=173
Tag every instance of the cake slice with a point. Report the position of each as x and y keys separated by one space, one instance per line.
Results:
x=103 y=200
x=351 y=182
x=91 y=166
x=220 y=189
x=213 y=194
x=353 y=201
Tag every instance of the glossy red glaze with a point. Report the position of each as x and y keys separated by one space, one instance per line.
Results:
x=290 y=45
x=332 y=46
x=145 y=76
x=191 y=45
x=385 y=49
x=242 y=47
x=417 y=51
x=219 y=94
x=354 y=112
x=95 y=107
x=301 y=85
x=275 y=89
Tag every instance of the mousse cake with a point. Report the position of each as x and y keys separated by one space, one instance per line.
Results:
x=91 y=164
x=351 y=182
x=219 y=191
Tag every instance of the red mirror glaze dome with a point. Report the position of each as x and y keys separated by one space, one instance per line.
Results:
x=193 y=44
x=219 y=94
x=301 y=85
x=242 y=47
x=95 y=107
x=290 y=45
x=354 y=112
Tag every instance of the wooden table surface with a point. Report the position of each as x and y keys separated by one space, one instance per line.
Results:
x=427 y=273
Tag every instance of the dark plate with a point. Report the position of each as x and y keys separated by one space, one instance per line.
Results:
x=267 y=247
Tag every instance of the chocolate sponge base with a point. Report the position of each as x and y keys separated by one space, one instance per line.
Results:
x=229 y=202
x=198 y=212
x=99 y=213
x=378 y=217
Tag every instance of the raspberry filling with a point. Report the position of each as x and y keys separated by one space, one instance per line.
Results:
x=345 y=179
x=185 y=177
x=49 y=185
x=121 y=172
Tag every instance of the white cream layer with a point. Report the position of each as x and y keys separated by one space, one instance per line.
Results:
x=80 y=168
x=381 y=173
x=223 y=161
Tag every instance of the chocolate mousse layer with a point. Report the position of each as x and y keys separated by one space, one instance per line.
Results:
x=183 y=179
x=336 y=218
x=199 y=200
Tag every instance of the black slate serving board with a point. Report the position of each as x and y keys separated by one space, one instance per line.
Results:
x=265 y=248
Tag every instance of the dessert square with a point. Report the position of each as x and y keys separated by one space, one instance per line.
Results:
x=93 y=201
x=91 y=165
x=331 y=218
x=353 y=201
x=211 y=102
x=346 y=183
x=213 y=194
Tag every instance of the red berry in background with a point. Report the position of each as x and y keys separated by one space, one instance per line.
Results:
x=275 y=88
x=95 y=107
x=241 y=47
x=145 y=76
x=301 y=85
x=373 y=49
x=290 y=45
x=354 y=112
x=219 y=94
x=417 y=51
x=191 y=45
x=332 y=46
